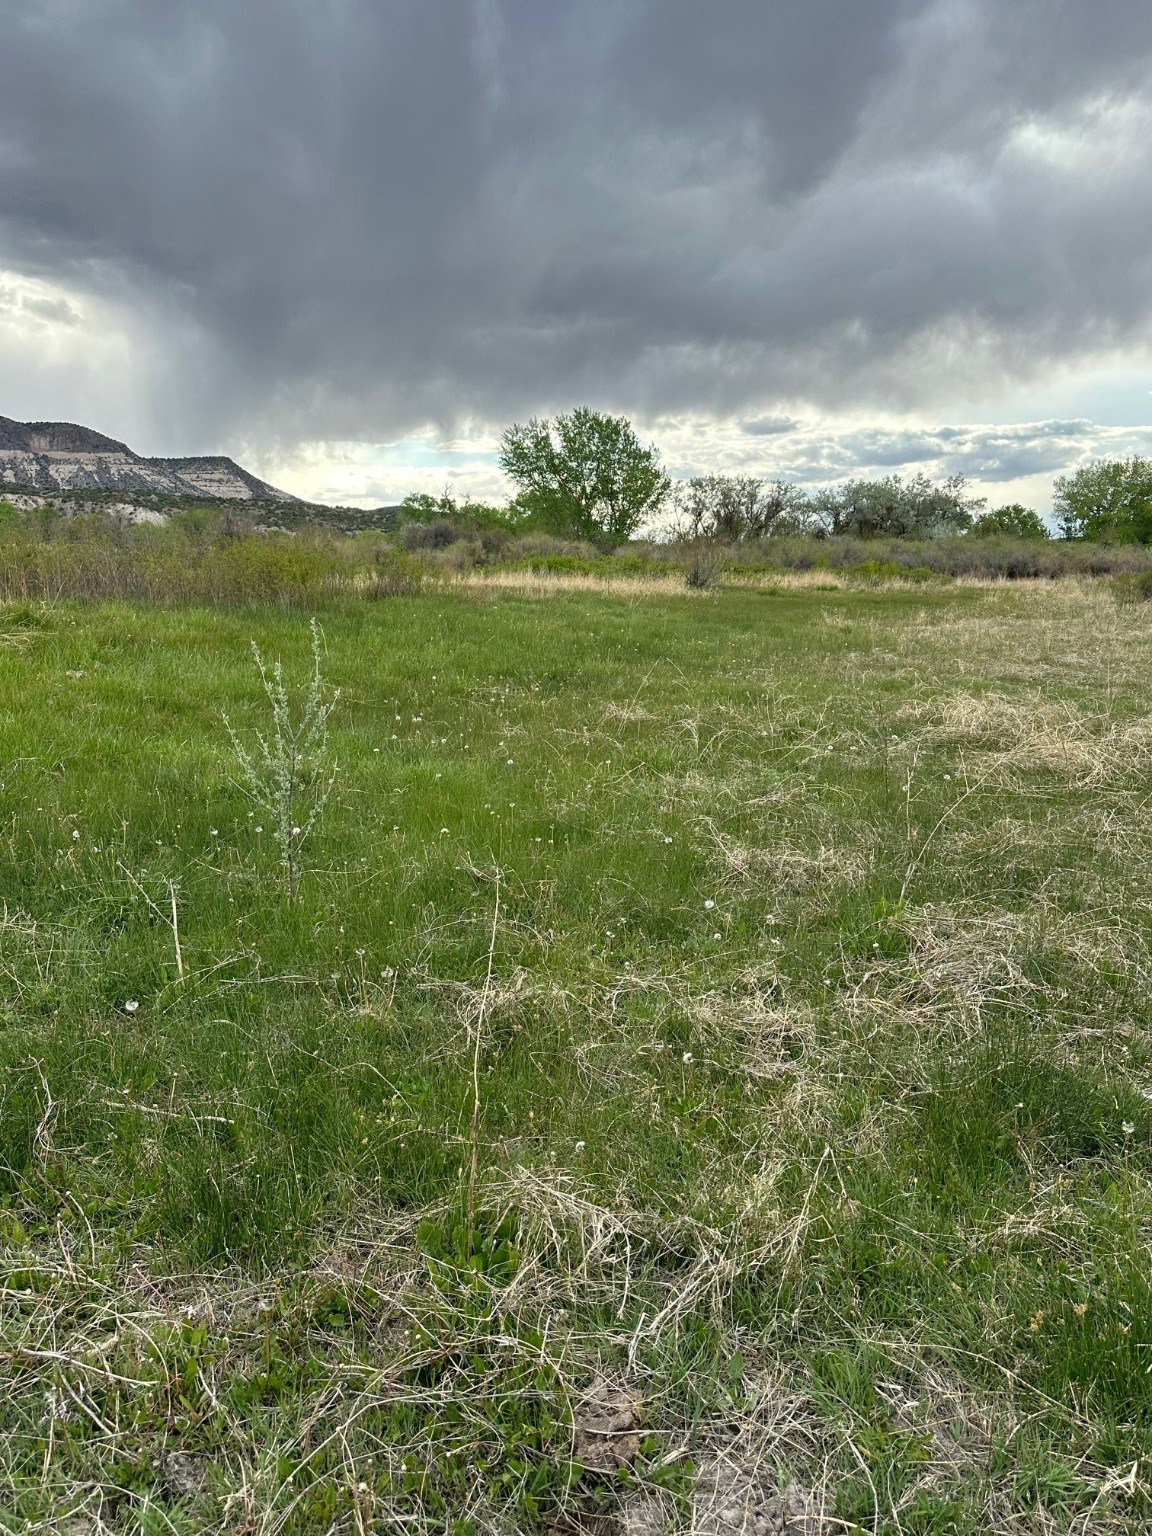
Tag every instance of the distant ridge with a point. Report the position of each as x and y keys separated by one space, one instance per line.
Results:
x=61 y=456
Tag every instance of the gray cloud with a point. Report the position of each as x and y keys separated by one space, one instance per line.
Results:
x=820 y=453
x=768 y=426
x=988 y=454
x=374 y=216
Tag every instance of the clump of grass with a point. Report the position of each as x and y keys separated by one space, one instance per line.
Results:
x=705 y=567
x=396 y=572
x=291 y=774
x=1132 y=587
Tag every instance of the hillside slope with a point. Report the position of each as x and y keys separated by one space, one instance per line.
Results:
x=61 y=456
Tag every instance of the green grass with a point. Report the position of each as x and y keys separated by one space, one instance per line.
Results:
x=814 y=1066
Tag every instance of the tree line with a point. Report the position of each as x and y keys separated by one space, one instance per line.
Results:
x=587 y=475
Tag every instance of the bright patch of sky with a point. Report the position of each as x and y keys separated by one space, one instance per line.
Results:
x=1004 y=460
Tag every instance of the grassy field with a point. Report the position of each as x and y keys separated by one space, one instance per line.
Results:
x=781 y=955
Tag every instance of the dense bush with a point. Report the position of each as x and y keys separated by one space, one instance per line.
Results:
x=465 y=516
x=434 y=535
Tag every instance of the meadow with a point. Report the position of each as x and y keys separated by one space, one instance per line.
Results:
x=697 y=1078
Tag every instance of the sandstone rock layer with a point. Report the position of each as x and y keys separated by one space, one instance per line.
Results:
x=60 y=456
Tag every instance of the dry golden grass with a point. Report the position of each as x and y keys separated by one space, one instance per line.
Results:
x=550 y=584
x=547 y=583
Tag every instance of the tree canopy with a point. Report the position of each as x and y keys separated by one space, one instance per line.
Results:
x=893 y=507
x=740 y=507
x=735 y=507
x=585 y=474
x=1015 y=519
x=1109 y=499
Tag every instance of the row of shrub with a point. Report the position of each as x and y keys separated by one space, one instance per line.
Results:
x=992 y=557
x=206 y=560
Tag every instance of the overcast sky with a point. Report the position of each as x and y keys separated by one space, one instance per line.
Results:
x=350 y=240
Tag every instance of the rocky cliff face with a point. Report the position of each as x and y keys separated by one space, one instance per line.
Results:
x=59 y=456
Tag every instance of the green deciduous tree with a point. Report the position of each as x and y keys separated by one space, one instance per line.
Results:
x=1014 y=519
x=1110 y=499
x=585 y=473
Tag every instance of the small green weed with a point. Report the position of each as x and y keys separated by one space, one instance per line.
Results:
x=290 y=778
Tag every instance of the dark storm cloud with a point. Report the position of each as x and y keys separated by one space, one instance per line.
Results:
x=383 y=214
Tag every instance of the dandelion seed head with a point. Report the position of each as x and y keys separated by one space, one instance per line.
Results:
x=708 y=905
x=131 y=1005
